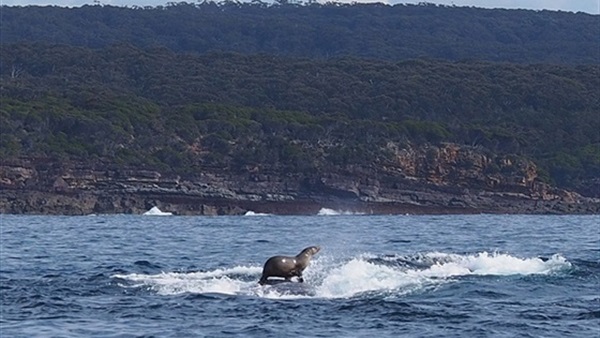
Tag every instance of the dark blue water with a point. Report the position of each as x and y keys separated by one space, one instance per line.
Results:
x=379 y=276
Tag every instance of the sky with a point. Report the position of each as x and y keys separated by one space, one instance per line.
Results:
x=588 y=6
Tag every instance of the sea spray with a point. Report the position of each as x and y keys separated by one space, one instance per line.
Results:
x=333 y=212
x=337 y=278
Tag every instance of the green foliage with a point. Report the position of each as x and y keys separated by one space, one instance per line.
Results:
x=173 y=157
x=9 y=146
x=182 y=112
x=374 y=31
x=426 y=131
x=564 y=167
x=569 y=167
x=217 y=142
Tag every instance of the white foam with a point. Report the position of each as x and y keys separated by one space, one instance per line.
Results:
x=498 y=264
x=252 y=213
x=155 y=211
x=332 y=212
x=222 y=281
x=330 y=278
x=359 y=276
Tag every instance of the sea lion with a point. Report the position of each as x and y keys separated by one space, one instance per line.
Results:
x=288 y=266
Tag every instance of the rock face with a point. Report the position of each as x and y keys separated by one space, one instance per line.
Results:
x=427 y=179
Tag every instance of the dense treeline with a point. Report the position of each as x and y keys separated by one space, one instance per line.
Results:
x=184 y=111
x=319 y=30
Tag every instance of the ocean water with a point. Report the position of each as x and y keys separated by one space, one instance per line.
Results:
x=376 y=276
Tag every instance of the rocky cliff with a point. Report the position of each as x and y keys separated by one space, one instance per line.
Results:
x=418 y=179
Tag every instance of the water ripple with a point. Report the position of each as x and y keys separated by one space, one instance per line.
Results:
x=383 y=276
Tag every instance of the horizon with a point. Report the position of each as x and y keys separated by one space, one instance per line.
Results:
x=586 y=6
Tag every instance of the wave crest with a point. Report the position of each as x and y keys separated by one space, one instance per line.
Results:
x=328 y=277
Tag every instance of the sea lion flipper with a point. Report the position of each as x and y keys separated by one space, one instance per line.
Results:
x=263 y=280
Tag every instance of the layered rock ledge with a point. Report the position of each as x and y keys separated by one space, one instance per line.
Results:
x=420 y=180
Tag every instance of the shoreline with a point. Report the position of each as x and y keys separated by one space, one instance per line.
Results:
x=75 y=188
x=43 y=203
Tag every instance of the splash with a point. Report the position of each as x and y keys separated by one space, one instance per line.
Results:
x=252 y=213
x=155 y=211
x=497 y=264
x=332 y=278
x=332 y=212
x=359 y=276
x=225 y=281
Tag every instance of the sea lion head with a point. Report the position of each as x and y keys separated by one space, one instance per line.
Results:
x=310 y=251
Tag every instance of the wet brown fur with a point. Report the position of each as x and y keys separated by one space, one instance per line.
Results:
x=288 y=266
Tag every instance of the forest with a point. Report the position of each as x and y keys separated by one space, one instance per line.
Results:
x=185 y=112
x=313 y=30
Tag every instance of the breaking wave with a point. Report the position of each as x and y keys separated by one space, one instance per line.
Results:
x=333 y=212
x=252 y=213
x=155 y=211
x=330 y=278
